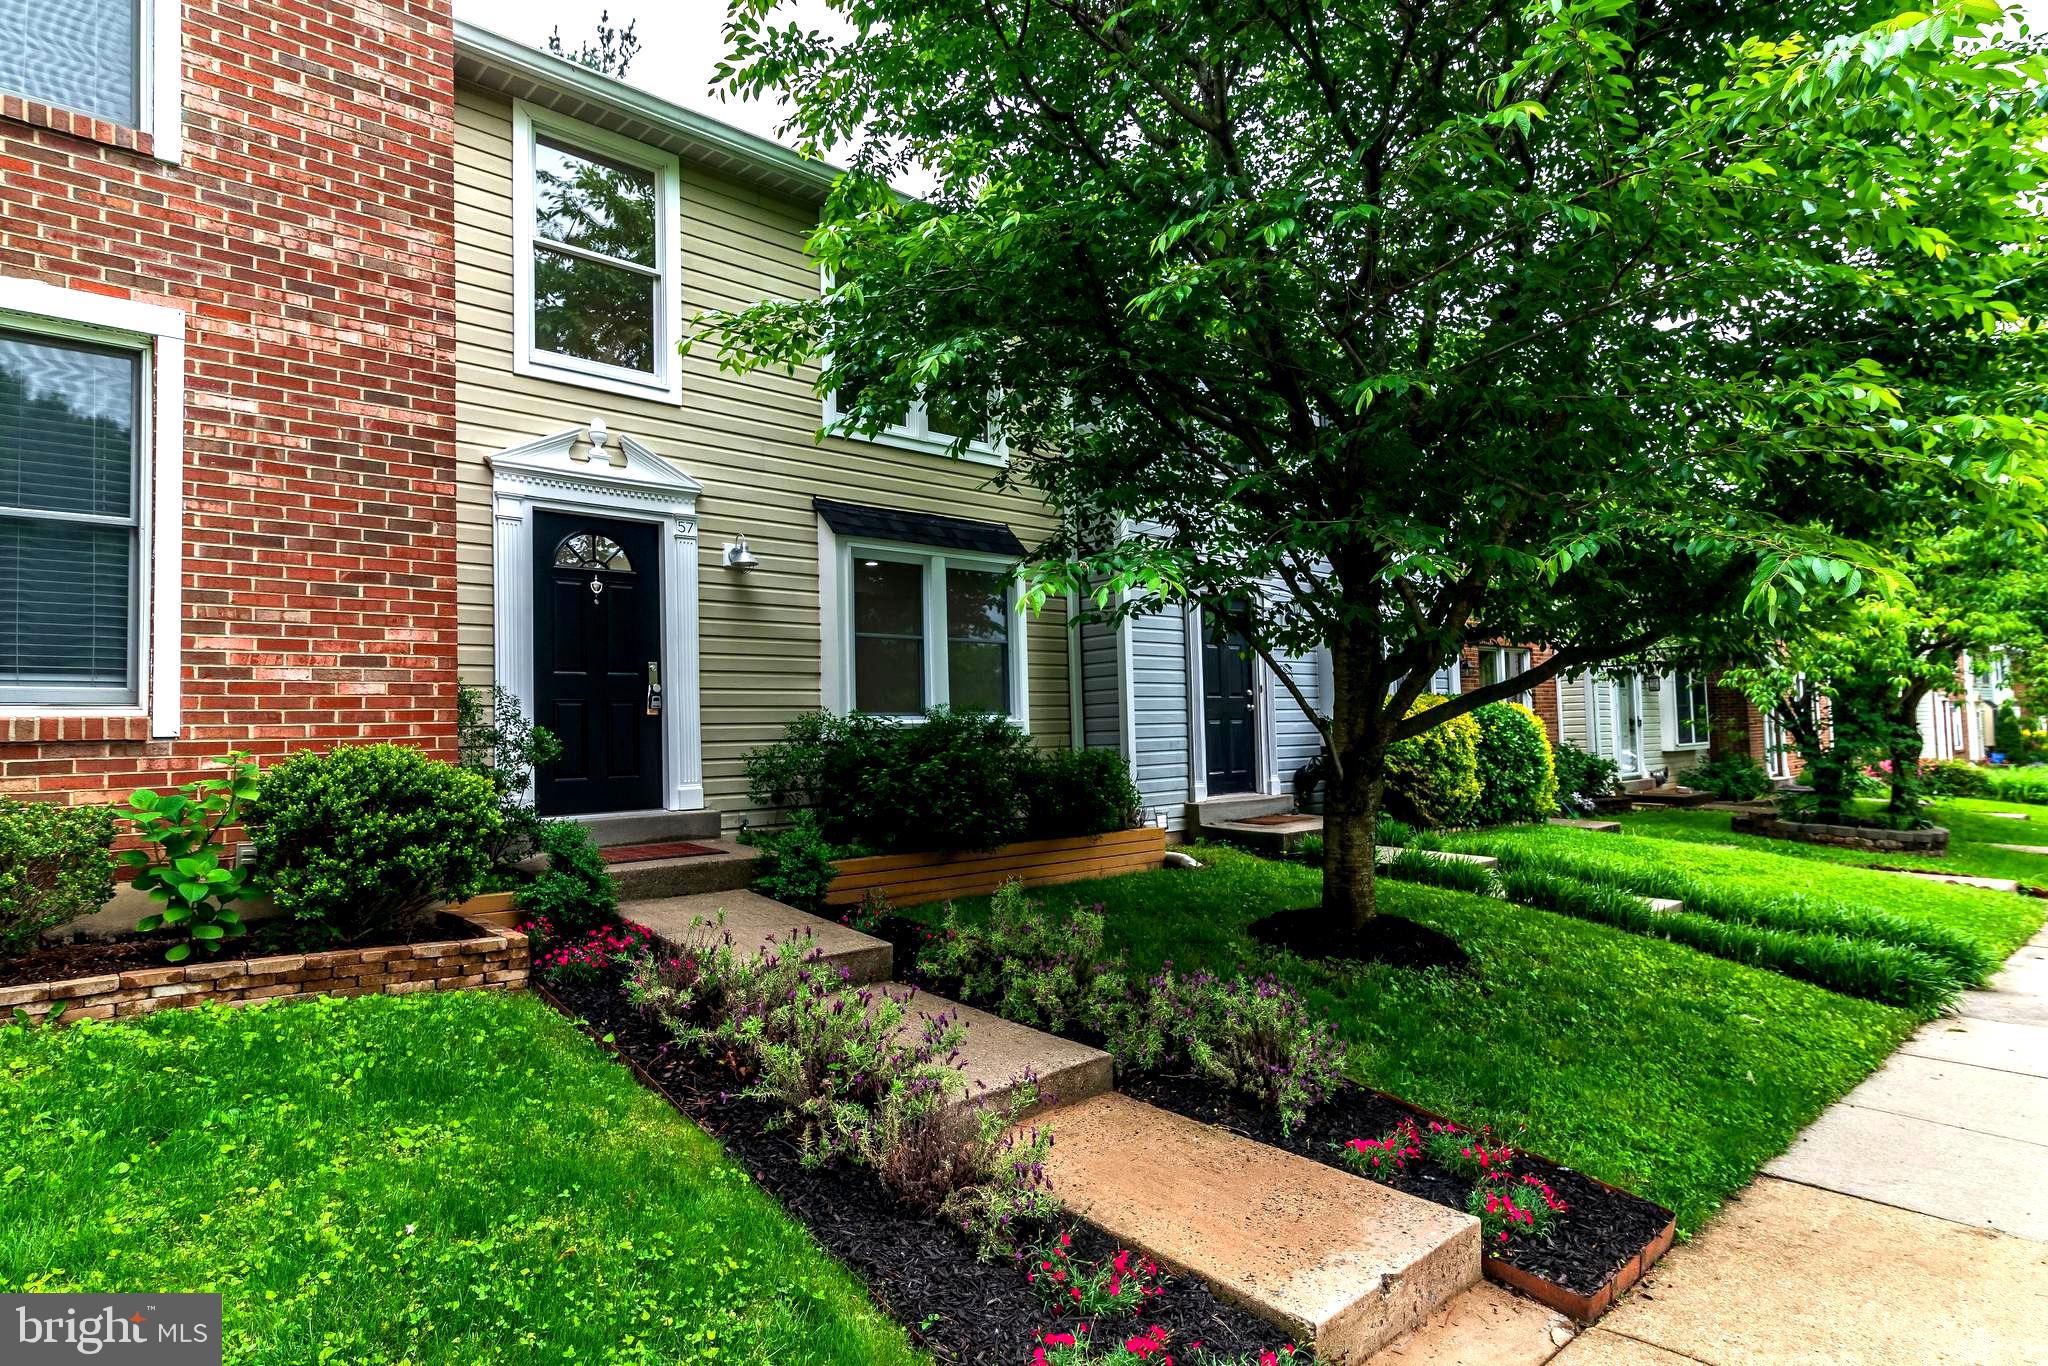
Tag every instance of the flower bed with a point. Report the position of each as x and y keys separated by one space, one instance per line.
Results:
x=1933 y=840
x=918 y=1268
x=913 y=879
x=1599 y=1244
x=129 y=978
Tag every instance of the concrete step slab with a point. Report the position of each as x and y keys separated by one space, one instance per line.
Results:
x=1597 y=827
x=1488 y=1325
x=996 y=1053
x=1983 y=1043
x=1387 y=853
x=1332 y=1259
x=730 y=869
x=754 y=921
x=649 y=827
x=2024 y=848
x=1237 y=807
x=1664 y=905
x=1918 y=1164
x=2008 y=815
x=1989 y=884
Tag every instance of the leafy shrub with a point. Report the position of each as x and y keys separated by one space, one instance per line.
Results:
x=1393 y=833
x=794 y=865
x=1582 y=776
x=1310 y=850
x=703 y=990
x=1731 y=777
x=577 y=891
x=1031 y=965
x=1432 y=869
x=1071 y=792
x=1010 y=1197
x=2027 y=785
x=186 y=874
x=1955 y=778
x=53 y=868
x=362 y=841
x=1433 y=778
x=1255 y=1036
x=1517 y=776
x=956 y=780
x=494 y=739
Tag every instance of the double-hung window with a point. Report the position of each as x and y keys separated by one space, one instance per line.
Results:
x=1689 y=728
x=928 y=628
x=1499 y=663
x=115 y=60
x=597 y=223
x=71 y=424
x=933 y=422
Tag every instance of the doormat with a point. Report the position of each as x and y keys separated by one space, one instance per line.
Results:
x=641 y=853
x=1277 y=818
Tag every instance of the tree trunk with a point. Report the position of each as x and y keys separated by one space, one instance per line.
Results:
x=1357 y=781
x=1908 y=795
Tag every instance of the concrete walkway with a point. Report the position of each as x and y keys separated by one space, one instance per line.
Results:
x=1908 y=1224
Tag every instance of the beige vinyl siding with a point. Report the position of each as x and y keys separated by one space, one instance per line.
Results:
x=751 y=442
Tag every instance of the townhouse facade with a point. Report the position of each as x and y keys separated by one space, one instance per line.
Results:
x=227 y=427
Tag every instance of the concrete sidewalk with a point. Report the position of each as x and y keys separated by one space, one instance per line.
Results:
x=1908 y=1224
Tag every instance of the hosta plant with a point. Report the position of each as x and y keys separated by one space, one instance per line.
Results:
x=183 y=870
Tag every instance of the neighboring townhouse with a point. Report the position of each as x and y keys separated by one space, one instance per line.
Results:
x=1646 y=723
x=1482 y=666
x=662 y=560
x=227 y=428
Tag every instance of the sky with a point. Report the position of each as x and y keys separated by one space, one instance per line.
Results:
x=681 y=41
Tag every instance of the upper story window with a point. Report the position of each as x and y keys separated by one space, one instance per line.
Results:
x=70 y=521
x=115 y=60
x=597 y=226
x=932 y=422
x=1688 y=712
x=1499 y=663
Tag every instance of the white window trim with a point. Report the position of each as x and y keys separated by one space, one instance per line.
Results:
x=666 y=383
x=159 y=333
x=835 y=605
x=1672 y=687
x=912 y=435
x=159 y=71
x=1522 y=653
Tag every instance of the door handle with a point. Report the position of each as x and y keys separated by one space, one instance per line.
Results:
x=653 y=688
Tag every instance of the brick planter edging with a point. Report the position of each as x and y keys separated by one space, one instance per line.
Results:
x=498 y=960
x=1933 y=840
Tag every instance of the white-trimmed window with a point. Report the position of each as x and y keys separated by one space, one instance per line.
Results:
x=597 y=228
x=909 y=627
x=929 y=423
x=115 y=60
x=1688 y=712
x=1499 y=663
x=91 y=459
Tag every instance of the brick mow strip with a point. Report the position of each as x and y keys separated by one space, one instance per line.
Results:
x=495 y=962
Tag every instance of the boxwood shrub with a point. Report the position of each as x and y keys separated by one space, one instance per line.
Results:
x=950 y=780
x=361 y=841
x=1433 y=778
x=53 y=868
x=1517 y=775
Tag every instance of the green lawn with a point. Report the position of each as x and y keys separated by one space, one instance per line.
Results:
x=1972 y=832
x=458 y=1178
x=1647 y=1064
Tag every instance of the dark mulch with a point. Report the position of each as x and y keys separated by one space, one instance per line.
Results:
x=918 y=1269
x=1388 y=939
x=126 y=953
x=1595 y=1237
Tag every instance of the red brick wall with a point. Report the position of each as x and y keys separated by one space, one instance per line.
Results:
x=309 y=236
x=1544 y=701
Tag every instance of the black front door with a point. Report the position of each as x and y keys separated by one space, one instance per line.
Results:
x=597 y=640
x=1228 y=711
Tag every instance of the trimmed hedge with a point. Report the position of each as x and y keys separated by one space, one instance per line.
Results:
x=1433 y=778
x=53 y=868
x=1517 y=774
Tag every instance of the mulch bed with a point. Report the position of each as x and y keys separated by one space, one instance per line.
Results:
x=128 y=952
x=918 y=1269
x=1598 y=1235
x=1388 y=939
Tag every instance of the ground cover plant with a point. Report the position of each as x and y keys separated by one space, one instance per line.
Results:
x=1641 y=1062
x=1974 y=832
x=453 y=1178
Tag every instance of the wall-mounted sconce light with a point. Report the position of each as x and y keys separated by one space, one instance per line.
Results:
x=737 y=556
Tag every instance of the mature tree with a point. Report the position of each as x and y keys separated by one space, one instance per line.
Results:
x=1397 y=324
x=611 y=52
x=1846 y=681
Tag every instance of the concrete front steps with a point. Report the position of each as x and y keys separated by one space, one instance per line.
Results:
x=1260 y=823
x=1332 y=1259
x=1328 y=1258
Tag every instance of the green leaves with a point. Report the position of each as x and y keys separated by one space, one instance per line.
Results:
x=185 y=872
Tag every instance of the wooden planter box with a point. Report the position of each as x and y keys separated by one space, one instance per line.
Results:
x=913 y=879
x=499 y=910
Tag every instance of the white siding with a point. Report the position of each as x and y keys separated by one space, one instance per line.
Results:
x=1159 y=692
x=1101 y=700
x=1296 y=740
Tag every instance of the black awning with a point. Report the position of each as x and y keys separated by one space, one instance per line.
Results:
x=919 y=528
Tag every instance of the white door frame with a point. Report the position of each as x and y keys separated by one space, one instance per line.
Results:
x=1198 y=737
x=557 y=473
x=1603 y=719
